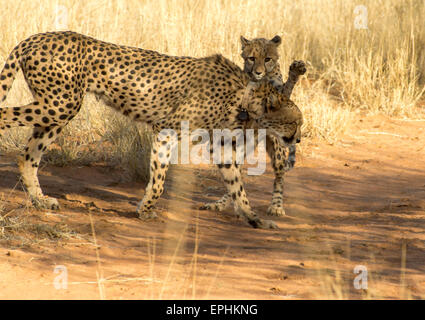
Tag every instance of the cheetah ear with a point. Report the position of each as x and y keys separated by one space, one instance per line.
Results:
x=277 y=40
x=244 y=42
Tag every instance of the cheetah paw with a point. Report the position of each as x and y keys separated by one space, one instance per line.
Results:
x=289 y=165
x=212 y=206
x=269 y=224
x=147 y=215
x=46 y=202
x=206 y=206
x=276 y=211
x=298 y=67
x=263 y=224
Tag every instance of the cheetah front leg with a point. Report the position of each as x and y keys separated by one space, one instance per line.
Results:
x=280 y=166
x=159 y=164
x=296 y=69
x=280 y=162
x=221 y=204
x=224 y=202
x=231 y=174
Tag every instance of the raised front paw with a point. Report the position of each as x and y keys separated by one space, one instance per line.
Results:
x=298 y=67
x=276 y=211
x=46 y=202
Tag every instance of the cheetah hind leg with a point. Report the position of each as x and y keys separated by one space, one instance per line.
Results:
x=159 y=163
x=29 y=161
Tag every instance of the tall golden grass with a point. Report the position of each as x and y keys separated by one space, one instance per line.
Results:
x=380 y=69
x=377 y=69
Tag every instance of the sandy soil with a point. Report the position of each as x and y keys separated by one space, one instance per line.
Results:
x=360 y=201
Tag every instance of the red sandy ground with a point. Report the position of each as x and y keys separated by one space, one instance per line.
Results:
x=360 y=201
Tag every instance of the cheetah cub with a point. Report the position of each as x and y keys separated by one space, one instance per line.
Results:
x=261 y=62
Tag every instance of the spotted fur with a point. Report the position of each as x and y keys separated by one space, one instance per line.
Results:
x=147 y=86
x=261 y=63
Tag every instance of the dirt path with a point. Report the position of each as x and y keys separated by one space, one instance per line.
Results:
x=358 y=202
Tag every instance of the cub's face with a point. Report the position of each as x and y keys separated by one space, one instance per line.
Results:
x=260 y=56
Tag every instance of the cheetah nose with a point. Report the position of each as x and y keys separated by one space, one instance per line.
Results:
x=298 y=140
x=258 y=73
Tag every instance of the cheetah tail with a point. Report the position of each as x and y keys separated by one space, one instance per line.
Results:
x=8 y=73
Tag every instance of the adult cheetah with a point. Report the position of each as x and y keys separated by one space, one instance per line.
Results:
x=261 y=63
x=147 y=86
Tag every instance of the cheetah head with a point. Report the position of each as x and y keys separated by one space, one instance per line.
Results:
x=260 y=56
x=282 y=119
x=273 y=111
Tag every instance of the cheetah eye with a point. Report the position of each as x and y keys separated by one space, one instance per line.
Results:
x=252 y=59
x=268 y=59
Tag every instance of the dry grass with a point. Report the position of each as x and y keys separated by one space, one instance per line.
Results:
x=19 y=230
x=378 y=69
